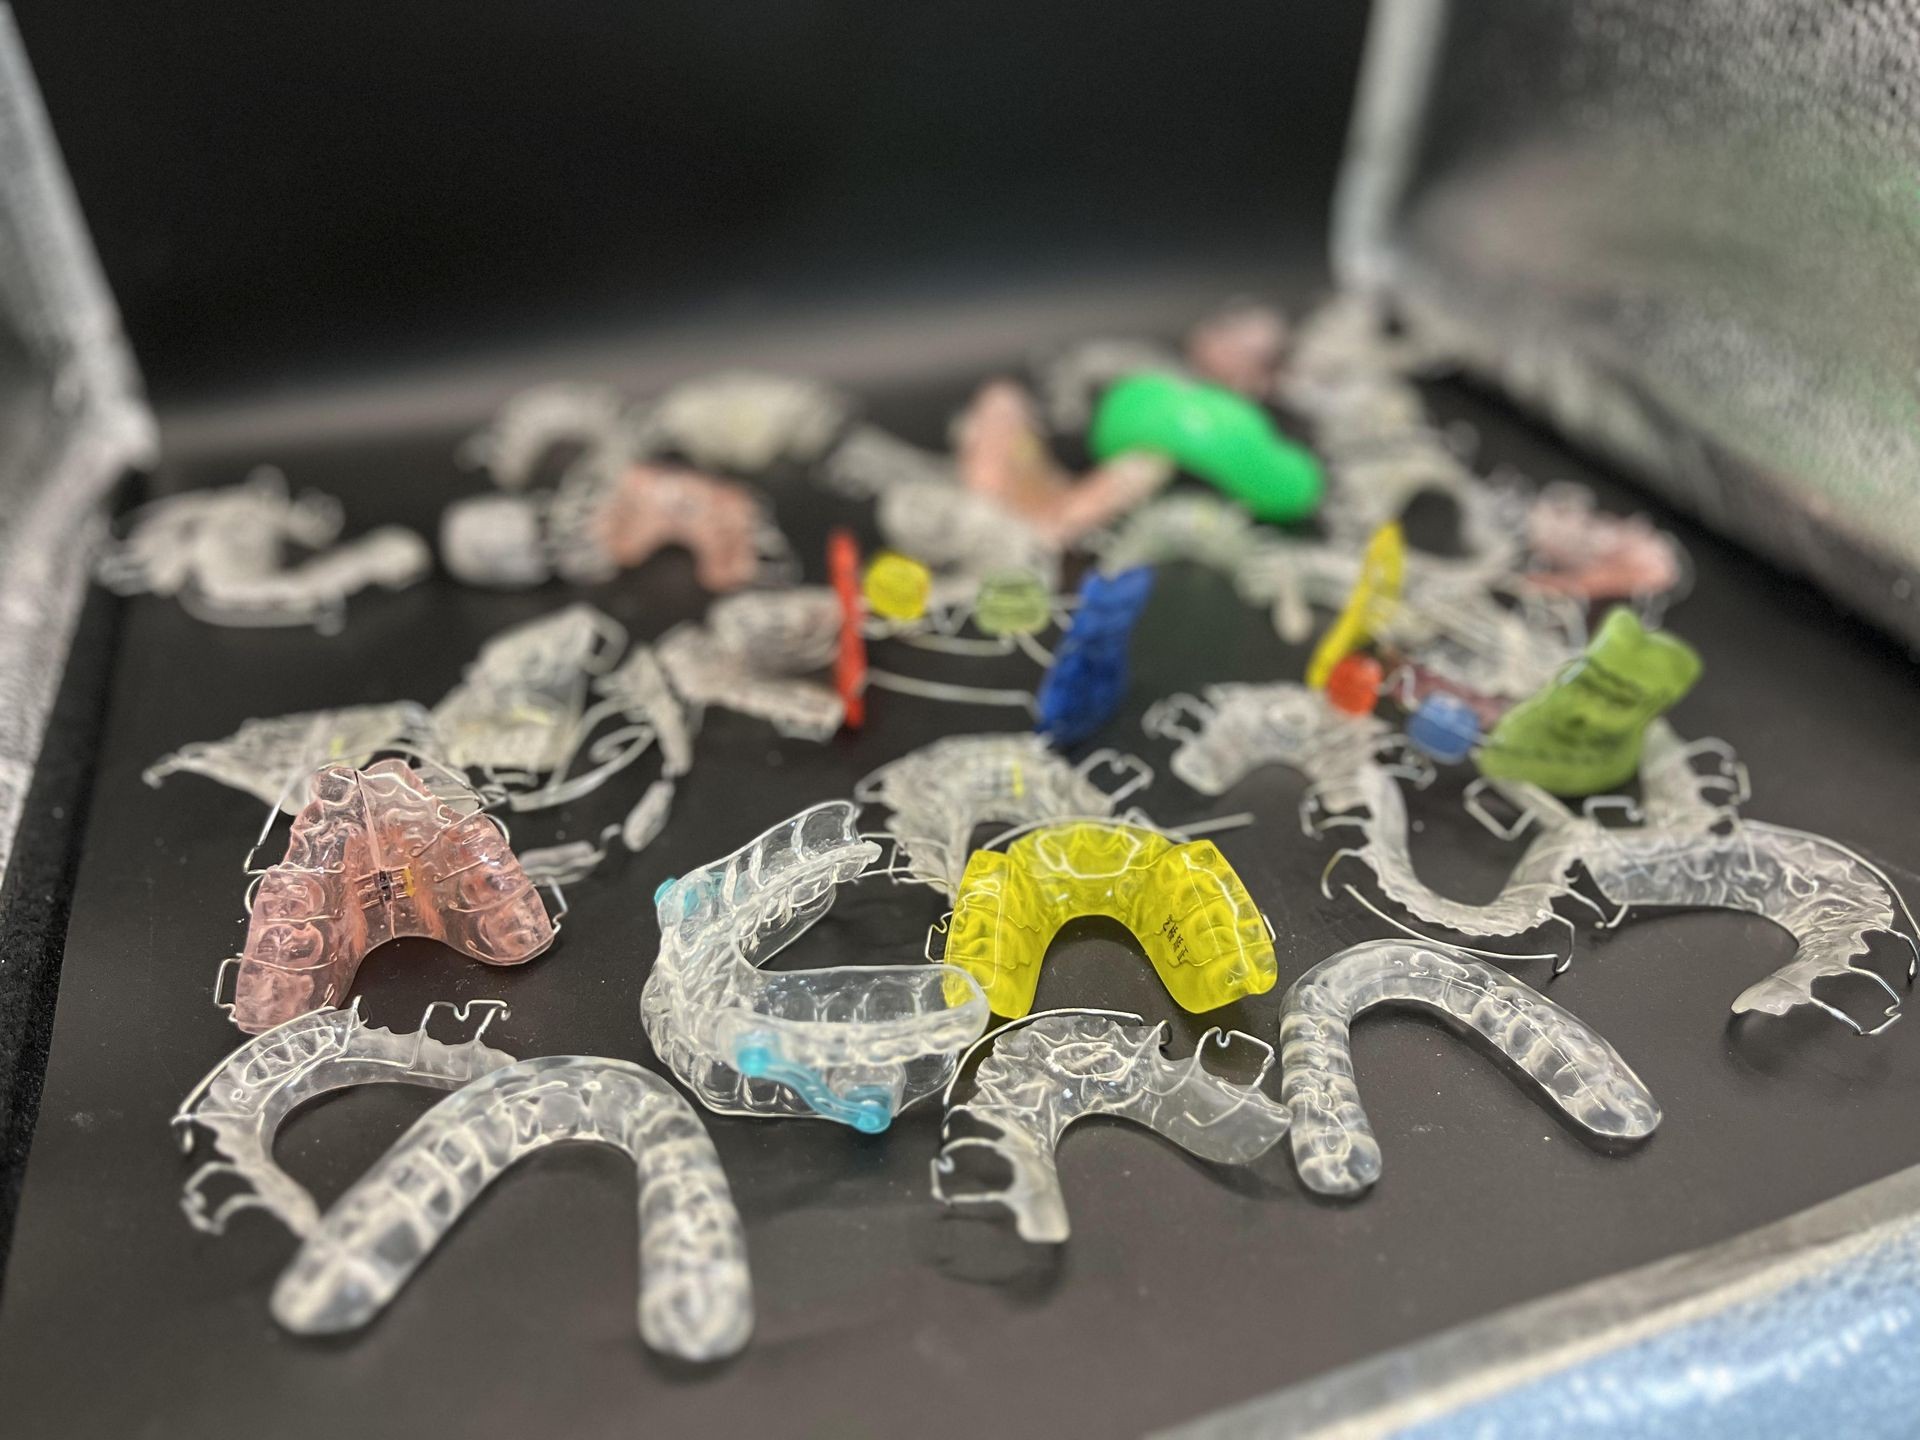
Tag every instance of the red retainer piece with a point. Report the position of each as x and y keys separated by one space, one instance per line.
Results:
x=850 y=663
x=375 y=855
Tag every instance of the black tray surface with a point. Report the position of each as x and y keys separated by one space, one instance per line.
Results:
x=1182 y=1289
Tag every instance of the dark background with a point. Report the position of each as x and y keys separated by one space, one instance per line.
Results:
x=282 y=192
x=337 y=236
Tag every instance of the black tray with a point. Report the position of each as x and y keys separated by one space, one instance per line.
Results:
x=1182 y=1289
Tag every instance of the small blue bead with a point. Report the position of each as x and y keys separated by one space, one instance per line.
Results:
x=1445 y=727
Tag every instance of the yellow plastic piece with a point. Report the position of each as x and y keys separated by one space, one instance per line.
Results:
x=1183 y=903
x=897 y=586
x=1373 y=598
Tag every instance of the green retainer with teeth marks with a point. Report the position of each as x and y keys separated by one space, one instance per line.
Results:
x=1581 y=734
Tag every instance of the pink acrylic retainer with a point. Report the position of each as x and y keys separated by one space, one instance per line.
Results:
x=376 y=855
x=655 y=506
x=1002 y=455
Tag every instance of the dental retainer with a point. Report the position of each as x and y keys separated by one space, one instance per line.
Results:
x=1229 y=731
x=245 y=1099
x=1002 y=454
x=1203 y=934
x=1582 y=732
x=742 y=421
x=1690 y=849
x=1050 y=1070
x=535 y=423
x=941 y=794
x=606 y=519
x=853 y=1043
x=1333 y=1145
x=961 y=536
x=271 y=758
x=1200 y=529
x=224 y=555
x=1579 y=550
x=696 y=1295
x=1827 y=896
x=520 y=708
x=1088 y=680
x=708 y=670
x=375 y=855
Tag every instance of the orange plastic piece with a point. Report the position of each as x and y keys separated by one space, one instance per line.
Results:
x=1354 y=685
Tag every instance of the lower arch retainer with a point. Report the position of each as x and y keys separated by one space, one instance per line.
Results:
x=1333 y=1145
x=1184 y=904
x=1042 y=1076
x=696 y=1298
x=852 y=1043
x=243 y=1102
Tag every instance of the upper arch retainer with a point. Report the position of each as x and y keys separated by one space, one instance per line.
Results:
x=1828 y=898
x=1230 y=731
x=1190 y=912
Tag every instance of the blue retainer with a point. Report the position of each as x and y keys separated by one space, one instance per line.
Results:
x=1087 y=682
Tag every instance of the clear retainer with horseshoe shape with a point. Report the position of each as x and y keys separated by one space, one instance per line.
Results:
x=537 y=422
x=1230 y=731
x=1692 y=851
x=696 y=1296
x=222 y=554
x=742 y=421
x=962 y=537
x=519 y=715
x=707 y=673
x=1200 y=529
x=1333 y=1144
x=1826 y=896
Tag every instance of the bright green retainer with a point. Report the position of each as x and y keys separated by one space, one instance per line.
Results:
x=1222 y=437
x=1581 y=733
